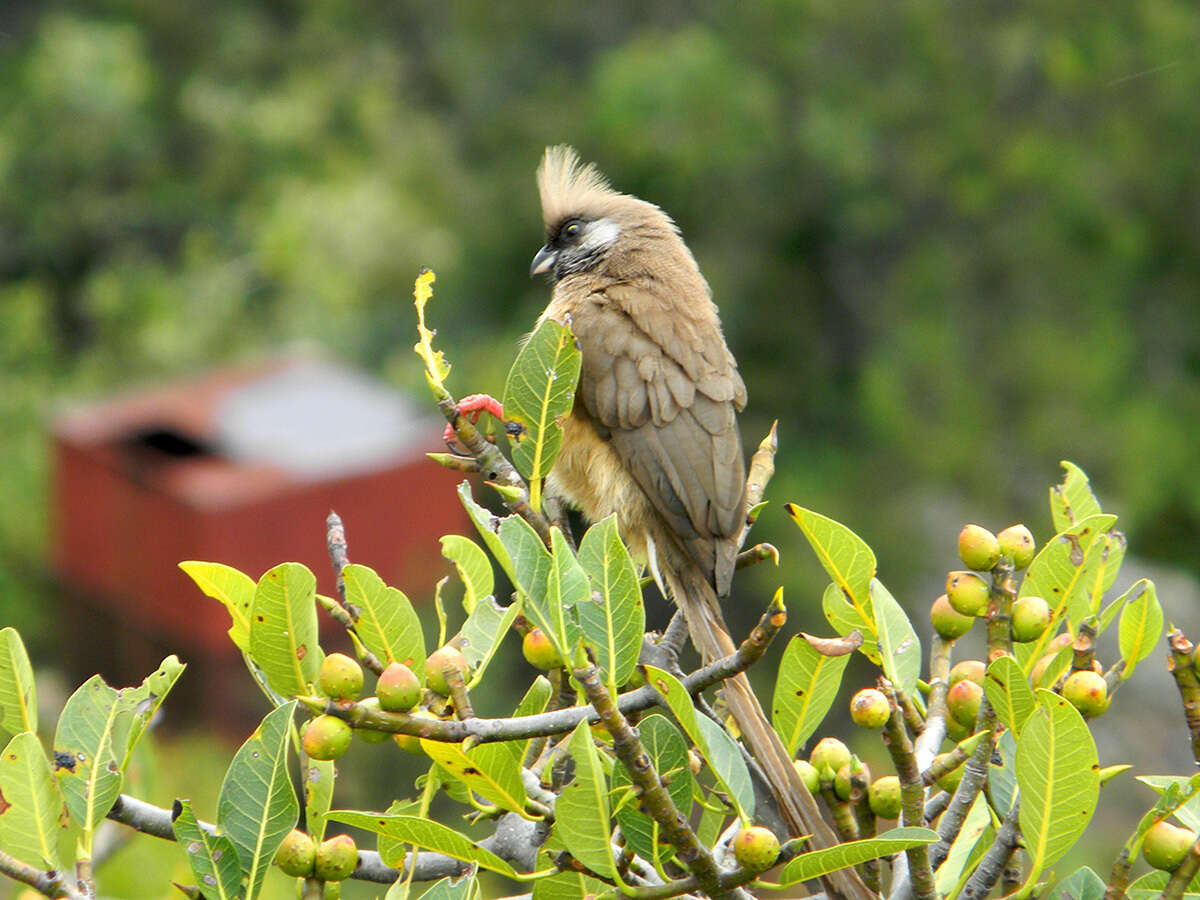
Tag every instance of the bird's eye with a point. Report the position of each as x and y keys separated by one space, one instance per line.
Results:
x=571 y=230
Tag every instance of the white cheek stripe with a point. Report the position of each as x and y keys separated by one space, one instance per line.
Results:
x=602 y=233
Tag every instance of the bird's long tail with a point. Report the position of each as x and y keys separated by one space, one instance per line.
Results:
x=693 y=593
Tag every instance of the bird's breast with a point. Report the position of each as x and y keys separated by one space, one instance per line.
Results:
x=591 y=477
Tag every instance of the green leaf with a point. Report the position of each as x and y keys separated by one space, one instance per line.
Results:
x=31 y=808
x=1060 y=574
x=668 y=753
x=842 y=553
x=613 y=618
x=1151 y=885
x=319 y=777
x=213 y=857
x=973 y=840
x=551 y=583
x=539 y=392
x=142 y=702
x=257 y=806
x=283 y=629
x=845 y=617
x=1180 y=796
x=449 y=889
x=822 y=862
x=18 y=694
x=1073 y=500
x=1058 y=772
x=1009 y=693
x=426 y=834
x=567 y=886
x=488 y=526
x=1002 y=777
x=386 y=623
x=713 y=742
x=899 y=646
x=490 y=770
x=473 y=568
x=1141 y=625
x=483 y=632
x=394 y=853
x=583 y=818
x=1082 y=884
x=805 y=688
x=89 y=748
x=233 y=588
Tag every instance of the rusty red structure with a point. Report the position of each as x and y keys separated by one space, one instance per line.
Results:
x=240 y=466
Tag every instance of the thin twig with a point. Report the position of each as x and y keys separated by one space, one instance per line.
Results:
x=991 y=867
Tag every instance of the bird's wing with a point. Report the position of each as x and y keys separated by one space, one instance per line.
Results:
x=663 y=387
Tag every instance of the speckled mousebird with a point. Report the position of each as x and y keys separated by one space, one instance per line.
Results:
x=653 y=433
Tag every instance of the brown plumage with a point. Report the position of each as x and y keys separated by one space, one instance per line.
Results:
x=653 y=435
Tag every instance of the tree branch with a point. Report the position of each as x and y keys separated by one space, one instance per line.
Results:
x=51 y=882
x=558 y=721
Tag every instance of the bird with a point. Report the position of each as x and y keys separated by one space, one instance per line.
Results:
x=652 y=436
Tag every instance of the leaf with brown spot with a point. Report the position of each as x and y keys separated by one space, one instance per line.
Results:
x=490 y=770
x=284 y=620
x=29 y=803
x=806 y=685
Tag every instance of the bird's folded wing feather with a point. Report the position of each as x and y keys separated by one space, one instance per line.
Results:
x=665 y=388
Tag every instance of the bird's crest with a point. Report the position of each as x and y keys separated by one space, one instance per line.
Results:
x=570 y=187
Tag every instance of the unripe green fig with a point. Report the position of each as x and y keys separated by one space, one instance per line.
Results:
x=963 y=700
x=341 y=677
x=968 y=670
x=296 y=855
x=398 y=688
x=809 y=775
x=978 y=548
x=949 y=781
x=327 y=737
x=1016 y=543
x=439 y=660
x=539 y=651
x=967 y=593
x=855 y=769
x=948 y=621
x=1053 y=649
x=884 y=797
x=831 y=754
x=1165 y=845
x=337 y=858
x=869 y=708
x=956 y=732
x=1087 y=691
x=756 y=848
x=1030 y=619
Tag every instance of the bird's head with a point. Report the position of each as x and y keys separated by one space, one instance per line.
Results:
x=588 y=224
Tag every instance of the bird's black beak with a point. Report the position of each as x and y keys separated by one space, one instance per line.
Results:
x=544 y=261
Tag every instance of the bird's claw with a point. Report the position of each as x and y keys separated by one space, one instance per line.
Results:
x=472 y=406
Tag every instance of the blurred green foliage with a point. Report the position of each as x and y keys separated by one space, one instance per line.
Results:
x=952 y=244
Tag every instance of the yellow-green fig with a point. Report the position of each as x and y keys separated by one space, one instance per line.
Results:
x=296 y=855
x=756 y=848
x=336 y=858
x=978 y=548
x=327 y=737
x=341 y=677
